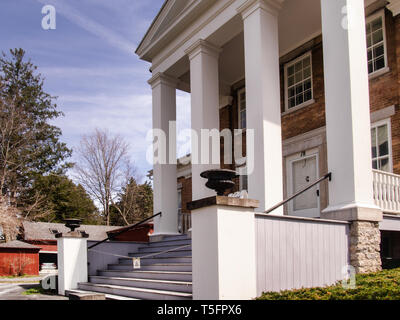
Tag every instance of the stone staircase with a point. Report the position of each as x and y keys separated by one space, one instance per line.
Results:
x=163 y=276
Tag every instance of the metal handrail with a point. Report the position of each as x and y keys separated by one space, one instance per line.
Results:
x=123 y=231
x=327 y=176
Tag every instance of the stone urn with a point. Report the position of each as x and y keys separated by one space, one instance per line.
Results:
x=219 y=180
x=73 y=224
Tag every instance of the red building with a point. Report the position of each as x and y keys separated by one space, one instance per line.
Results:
x=19 y=258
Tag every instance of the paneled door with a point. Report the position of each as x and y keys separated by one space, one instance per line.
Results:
x=302 y=170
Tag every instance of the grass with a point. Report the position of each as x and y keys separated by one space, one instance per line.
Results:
x=38 y=290
x=383 y=285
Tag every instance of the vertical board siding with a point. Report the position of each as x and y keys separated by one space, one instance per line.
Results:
x=294 y=253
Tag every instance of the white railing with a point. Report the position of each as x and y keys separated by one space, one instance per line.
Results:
x=186 y=222
x=387 y=191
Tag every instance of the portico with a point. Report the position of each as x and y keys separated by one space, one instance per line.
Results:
x=233 y=40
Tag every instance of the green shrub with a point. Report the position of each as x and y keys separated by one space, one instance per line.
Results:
x=383 y=285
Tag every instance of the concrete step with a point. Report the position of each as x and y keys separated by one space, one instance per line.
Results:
x=170 y=243
x=108 y=296
x=177 y=237
x=180 y=286
x=150 y=261
x=175 y=253
x=154 y=275
x=137 y=293
x=164 y=248
x=153 y=267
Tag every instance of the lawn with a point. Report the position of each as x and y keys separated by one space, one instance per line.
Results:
x=383 y=285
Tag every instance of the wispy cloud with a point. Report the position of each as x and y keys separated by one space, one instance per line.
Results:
x=88 y=24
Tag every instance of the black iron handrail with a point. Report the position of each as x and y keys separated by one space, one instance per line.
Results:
x=123 y=231
x=327 y=176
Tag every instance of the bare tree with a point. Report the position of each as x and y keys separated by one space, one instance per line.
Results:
x=9 y=219
x=103 y=167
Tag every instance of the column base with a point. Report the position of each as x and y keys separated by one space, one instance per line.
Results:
x=353 y=212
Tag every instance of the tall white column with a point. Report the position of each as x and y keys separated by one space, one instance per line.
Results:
x=263 y=113
x=347 y=111
x=204 y=88
x=165 y=174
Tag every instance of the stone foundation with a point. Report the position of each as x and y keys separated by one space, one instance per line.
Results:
x=365 y=240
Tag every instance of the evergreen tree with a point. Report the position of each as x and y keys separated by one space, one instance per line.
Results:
x=29 y=144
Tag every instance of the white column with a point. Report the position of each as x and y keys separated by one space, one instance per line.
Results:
x=263 y=113
x=72 y=262
x=347 y=111
x=165 y=174
x=204 y=88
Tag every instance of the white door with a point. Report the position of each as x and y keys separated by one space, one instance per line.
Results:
x=302 y=170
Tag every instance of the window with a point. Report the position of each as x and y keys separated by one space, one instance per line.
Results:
x=381 y=146
x=180 y=209
x=242 y=108
x=243 y=177
x=298 y=81
x=376 y=43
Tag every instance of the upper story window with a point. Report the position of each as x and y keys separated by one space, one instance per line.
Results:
x=242 y=108
x=376 y=42
x=381 y=145
x=298 y=81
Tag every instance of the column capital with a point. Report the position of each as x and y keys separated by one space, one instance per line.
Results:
x=203 y=46
x=248 y=7
x=161 y=78
x=394 y=7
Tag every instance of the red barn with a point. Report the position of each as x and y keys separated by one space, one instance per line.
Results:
x=19 y=258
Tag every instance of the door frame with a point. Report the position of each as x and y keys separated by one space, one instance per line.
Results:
x=310 y=153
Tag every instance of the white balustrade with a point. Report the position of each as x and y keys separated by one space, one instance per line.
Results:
x=387 y=191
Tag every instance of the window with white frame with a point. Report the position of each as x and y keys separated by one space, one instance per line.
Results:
x=381 y=146
x=298 y=81
x=180 y=208
x=376 y=42
x=242 y=108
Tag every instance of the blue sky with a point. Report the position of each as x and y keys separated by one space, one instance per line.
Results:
x=89 y=63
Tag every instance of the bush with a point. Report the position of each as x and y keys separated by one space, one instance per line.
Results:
x=383 y=285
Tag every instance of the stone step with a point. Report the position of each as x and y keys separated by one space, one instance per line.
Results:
x=153 y=267
x=153 y=275
x=150 y=261
x=137 y=293
x=164 y=248
x=108 y=296
x=175 y=253
x=180 y=286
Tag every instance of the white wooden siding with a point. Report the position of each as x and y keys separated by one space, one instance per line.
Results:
x=293 y=253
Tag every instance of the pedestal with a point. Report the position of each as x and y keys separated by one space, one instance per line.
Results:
x=223 y=248
x=72 y=260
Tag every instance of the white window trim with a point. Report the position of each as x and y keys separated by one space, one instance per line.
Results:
x=386 y=69
x=389 y=126
x=286 y=66
x=238 y=107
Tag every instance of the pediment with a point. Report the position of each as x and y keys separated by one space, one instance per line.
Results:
x=169 y=13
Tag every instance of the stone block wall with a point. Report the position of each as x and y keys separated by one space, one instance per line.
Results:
x=365 y=240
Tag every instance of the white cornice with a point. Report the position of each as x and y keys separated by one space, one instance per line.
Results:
x=394 y=6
